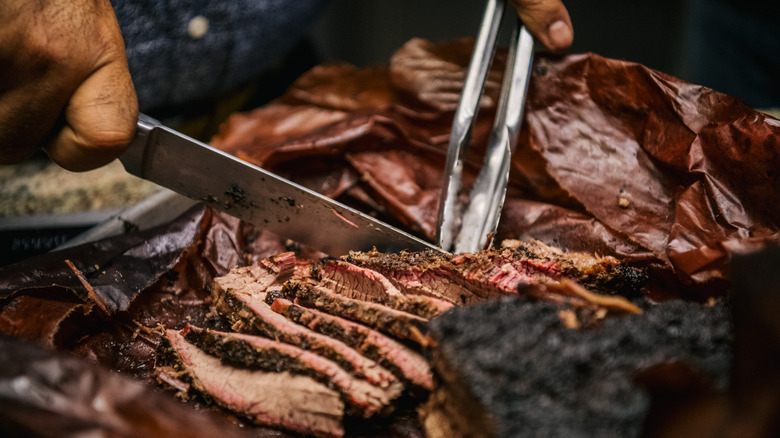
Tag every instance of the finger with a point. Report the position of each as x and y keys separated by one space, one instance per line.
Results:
x=100 y=120
x=548 y=21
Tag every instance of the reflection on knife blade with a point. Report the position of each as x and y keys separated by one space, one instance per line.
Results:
x=200 y=172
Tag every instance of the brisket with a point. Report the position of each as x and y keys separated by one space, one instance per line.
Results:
x=492 y=273
x=256 y=279
x=514 y=367
x=352 y=324
x=427 y=273
x=368 y=285
x=393 y=322
x=415 y=273
x=279 y=399
x=245 y=308
x=254 y=352
x=405 y=363
x=605 y=274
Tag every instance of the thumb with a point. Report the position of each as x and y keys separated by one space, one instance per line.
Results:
x=548 y=21
x=100 y=119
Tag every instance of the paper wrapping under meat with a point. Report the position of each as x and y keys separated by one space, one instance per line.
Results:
x=48 y=304
x=161 y=277
x=49 y=394
x=613 y=157
x=105 y=264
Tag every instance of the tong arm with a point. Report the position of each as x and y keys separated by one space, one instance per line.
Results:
x=469 y=228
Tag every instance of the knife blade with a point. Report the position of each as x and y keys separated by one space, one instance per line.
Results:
x=248 y=192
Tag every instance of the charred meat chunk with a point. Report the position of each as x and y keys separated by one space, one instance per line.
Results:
x=513 y=367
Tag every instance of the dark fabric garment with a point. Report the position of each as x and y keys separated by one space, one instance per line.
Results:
x=173 y=66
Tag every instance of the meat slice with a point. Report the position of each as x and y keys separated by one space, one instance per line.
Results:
x=365 y=284
x=393 y=322
x=256 y=279
x=254 y=352
x=404 y=362
x=605 y=274
x=492 y=273
x=425 y=273
x=244 y=306
x=280 y=399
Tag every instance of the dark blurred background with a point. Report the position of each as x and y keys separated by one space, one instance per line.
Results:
x=702 y=41
x=366 y=32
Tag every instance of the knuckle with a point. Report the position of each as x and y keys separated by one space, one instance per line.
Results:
x=106 y=139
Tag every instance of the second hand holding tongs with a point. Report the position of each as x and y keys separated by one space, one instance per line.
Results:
x=471 y=227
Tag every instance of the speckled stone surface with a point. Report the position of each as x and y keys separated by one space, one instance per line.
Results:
x=39 y=187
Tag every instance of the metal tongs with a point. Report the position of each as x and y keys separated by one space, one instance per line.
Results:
x=469 y=228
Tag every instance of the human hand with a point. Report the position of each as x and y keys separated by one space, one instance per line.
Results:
x=548 y=21
x=64 y=83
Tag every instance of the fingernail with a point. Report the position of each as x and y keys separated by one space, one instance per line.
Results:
x=560 y=35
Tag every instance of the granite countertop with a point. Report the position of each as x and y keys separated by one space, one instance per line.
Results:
x=40 y=187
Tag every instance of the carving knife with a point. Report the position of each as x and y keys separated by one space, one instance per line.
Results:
x=203 y=173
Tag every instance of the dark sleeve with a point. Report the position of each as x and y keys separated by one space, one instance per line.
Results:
x=173 y=61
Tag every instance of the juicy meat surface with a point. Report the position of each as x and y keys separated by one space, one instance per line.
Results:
x=396 y=323
x=424 y=273
x=606 y=274
x=493 y=273
x=254 y=352
x=248 y=312
x=281 y=399
x=404 y=362
x=257 y=279
x=368 y=285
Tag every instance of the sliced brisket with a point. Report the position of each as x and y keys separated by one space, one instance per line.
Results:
x=256 y=279
x=606 y=274
x=396 y=323
x=254 y=352
x=280 y=399
x=365 y=284
x=405 y=363
x=244 y=306
x=426 y=273
x=470 y=278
